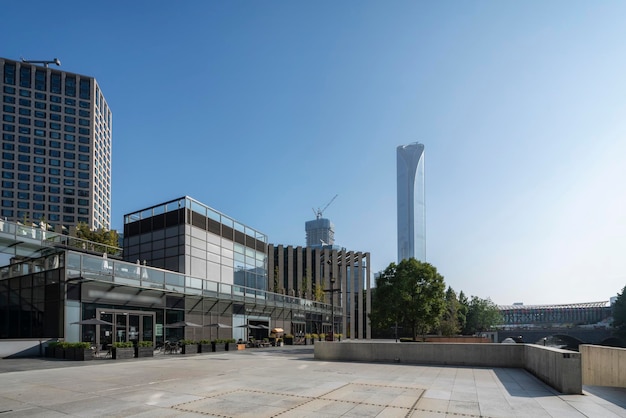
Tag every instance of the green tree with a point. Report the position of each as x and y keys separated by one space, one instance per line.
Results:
x=277 y=287
x=410 y=293
x=462 y=311
x=482 y=315
x=318 y=291
x=619 y=313
x=450 y=318
x=109 y=238
x=306 y=280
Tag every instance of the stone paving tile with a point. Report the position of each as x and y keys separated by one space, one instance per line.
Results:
x=34 y=413
x=433 y=405
x=468 y=396
x=438 y=394
x=159 y=398
x=278 y=383
x=464 y=408
x=591 y=409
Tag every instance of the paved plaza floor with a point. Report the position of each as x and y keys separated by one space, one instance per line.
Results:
x=282 y=382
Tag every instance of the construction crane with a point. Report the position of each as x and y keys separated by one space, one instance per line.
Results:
x=45 y=63
x=319 y=212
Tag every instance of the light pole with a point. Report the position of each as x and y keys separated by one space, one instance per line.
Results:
x=332 y=306
x=332 y=300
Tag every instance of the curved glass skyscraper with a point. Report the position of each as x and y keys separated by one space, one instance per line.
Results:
x=411 y=202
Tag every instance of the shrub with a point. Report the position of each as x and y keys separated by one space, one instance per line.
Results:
x=205 y=342
x=118 y=344
x=230 y=340
x=308 y=336
x=83 y=345
x=289 y=336
x=145 y=344
x=187 y=342
x=315 y=336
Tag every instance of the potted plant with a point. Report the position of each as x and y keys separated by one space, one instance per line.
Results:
x=122 y=350
x=204 y=346
x=144 y=349
x=307 y=338
x=338 y=336
x=322 y=337
x=79 y=351
x=289 y=339
x=279 y=342
x=314 y=337
x=188 y=347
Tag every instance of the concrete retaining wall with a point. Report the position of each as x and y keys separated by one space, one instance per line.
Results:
x=603 y=366
x=22 y=348
x=558 y=368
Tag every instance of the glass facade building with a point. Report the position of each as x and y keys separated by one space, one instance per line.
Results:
x=411 y=202
x=56 y=147
x=188 y=237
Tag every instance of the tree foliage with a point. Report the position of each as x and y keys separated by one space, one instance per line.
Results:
x=619 y=313
x=318 y=291
x=109 y=238
x=482 y=315
x=410 y=294
x=450 y=324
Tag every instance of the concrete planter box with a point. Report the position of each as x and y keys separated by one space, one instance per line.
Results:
x=205 y=348
x=123 y=353
x=219 y=347
x=144 y=352
x=189 y=349
x=79 y=354
x=59 y=353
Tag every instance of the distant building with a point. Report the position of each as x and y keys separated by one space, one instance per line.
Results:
x=411 y=202
x=56 y=147
x=555 y=316
x=319 y=232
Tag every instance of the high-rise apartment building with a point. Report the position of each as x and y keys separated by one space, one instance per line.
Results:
x=56 y=147
x=411 y=202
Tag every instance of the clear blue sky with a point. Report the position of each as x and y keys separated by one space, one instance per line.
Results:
x=267 y=109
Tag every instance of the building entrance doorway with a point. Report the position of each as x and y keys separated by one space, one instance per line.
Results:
x=128 y=326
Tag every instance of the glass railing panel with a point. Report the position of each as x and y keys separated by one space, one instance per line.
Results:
x=226 y=289
x=174 y=279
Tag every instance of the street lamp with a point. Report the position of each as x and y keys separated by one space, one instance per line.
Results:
x=332 y=301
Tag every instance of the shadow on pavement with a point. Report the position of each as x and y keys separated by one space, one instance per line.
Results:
x=616 y=396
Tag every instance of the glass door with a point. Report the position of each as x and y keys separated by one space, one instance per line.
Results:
x=121 y=333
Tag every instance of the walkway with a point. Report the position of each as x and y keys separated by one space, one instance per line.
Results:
x=281 y=382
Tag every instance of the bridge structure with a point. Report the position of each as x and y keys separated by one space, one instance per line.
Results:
x=564 y=325
x=565 y=337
